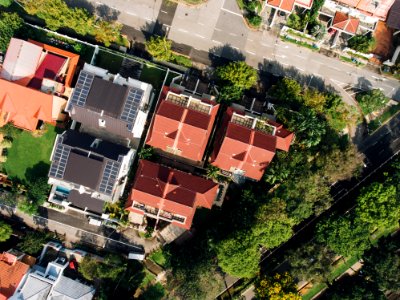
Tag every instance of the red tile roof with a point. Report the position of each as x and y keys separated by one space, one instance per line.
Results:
x=49 y=68
x=248 y=149
x=181 y=127
x=24 y=106
x=286 y=5
x=11 y=273
x=345 y=22
x=171 y=190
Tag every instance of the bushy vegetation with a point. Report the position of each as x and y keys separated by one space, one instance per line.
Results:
x=10 y=23
x=33 y=242
x=251 y=8
x=371 y=101
x=5 y=231
x=57 y=14
x=361 y=43
x=277 y=287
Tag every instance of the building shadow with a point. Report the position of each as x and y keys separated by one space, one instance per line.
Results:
x=107 y=13
x=81 y=4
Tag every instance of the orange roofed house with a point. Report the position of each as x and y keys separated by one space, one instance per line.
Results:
x=35 y=83
x=286 y=6
x=12 y=273
x=182 y=124
x=246 y=145
x=167 y=194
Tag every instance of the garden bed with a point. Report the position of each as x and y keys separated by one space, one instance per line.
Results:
x=299 y=43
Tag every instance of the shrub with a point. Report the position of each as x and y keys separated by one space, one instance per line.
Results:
x=182 y=60
x=254 y=19
x=361 y=43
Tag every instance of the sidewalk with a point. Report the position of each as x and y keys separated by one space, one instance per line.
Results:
x=77 y=230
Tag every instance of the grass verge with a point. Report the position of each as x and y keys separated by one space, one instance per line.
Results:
x=386 y=115
x=158 y=257
x=299 y=43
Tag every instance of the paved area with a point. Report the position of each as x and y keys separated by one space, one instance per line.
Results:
x=76 y=229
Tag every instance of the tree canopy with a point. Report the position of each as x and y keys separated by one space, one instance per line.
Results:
x=10 y=23
x=238 y=74
x=57 y=14
x=343 y=236
x=378 y=205
x=5 y=231
x=110 y=268
x=382 y=264
x=372 y=101
x=278 y=287
x=361 y=43
x=33 y=241
x=159 y=48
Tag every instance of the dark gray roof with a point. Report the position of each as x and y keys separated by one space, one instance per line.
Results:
x=107 y=96
x=86 y=201
x=84 y=160
x=84 y=141
x=73 y=289
x=83 y=170
x=393 y=19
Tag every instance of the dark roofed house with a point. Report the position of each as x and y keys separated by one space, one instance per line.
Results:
x=245 y=145
x=110 y=105
x=393 y=20
x=86 y=171
x=170 y=195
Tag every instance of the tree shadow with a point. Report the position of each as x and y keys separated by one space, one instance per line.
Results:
x=81 y=4
x=39 y=170
x=364 y=84
x=396 y=96
x=220 y=55
x=107 y=13
x=275 y=68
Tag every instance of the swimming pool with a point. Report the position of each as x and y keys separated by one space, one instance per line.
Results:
x=63 y=190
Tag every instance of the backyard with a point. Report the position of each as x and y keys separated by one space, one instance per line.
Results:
x=29 y=156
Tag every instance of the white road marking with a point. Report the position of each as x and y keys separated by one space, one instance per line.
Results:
x=250 y=52
x=232 y=12
x=232 y=34
x=218 y=42
x=148 y=19
x=200 y=36
x=163 y=11
x=235 y=48
x=300 y=69
x=131 y=13
x=278 y=55
x=285 y=64
x=217 y=29
x=97 y=2
x=339 y=83
x=300 y=56
x=337 y=69
x=265 y=45
x=182 y=30
x=250 y=40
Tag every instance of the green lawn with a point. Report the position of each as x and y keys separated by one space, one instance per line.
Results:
x=109 y=61
x=158 y=257
x=30 y=156
x=148 y=278
x=153 y=75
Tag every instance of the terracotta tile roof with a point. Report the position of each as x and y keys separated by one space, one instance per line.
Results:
x=377 y=9
x=171 y=190
x=286 y=5
x=182 y=128
x=248 y=149
x=11 y=273
x=345 y=22
x=25 y=106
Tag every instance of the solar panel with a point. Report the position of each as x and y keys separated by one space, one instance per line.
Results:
x=131 y=105
x=60 y=158
x=81 y=90
x=110 y=176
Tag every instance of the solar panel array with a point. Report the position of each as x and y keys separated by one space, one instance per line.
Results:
x=110 y=175
x=60 y=158
x=82 y=89
x=131 y=105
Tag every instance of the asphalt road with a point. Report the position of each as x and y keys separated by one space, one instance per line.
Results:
x=217 y=27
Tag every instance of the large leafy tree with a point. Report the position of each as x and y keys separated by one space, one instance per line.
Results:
x=372 y=101
x=159 y=48
x=278 y=287
x=343 y=236
x=5 y=231
x=314 y=99
x=110 y=268
x=382 y=264
x=361 y=43
x=32 y=243
x=354 y=288
x=311 y=262
x=10 y=23
x=238 y=74
x=378 y=205
x=287 y=89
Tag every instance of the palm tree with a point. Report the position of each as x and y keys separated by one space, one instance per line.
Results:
x=213 y=172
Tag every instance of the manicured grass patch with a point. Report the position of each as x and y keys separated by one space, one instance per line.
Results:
x=153 y=75
x=303 y=36
x=30 y=155
x=386 y=115
x=314 y=290
x=158 y=257
x=346 y=59
x=148 y=278
x=342 y=267
x=303 y=44
x=109 y=61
